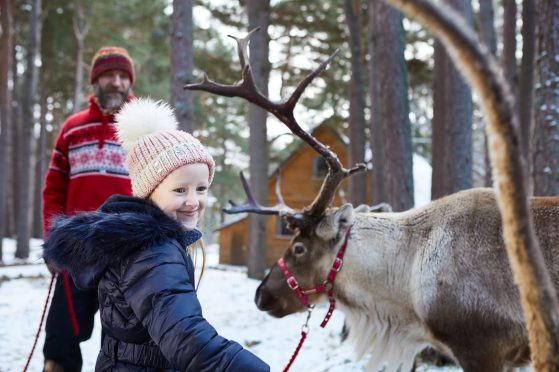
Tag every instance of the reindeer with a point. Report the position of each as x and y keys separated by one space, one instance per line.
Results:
x=437 y=275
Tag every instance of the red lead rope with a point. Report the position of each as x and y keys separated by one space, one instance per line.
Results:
x=326 y=286
x=304 y=333
x=71 y=310
x=40 y=323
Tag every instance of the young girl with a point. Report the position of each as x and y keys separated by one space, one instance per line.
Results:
x=133 y=249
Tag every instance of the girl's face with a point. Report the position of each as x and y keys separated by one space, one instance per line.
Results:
x=183 y=194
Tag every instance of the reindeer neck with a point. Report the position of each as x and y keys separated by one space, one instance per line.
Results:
x=374 y=288
x=380 y=258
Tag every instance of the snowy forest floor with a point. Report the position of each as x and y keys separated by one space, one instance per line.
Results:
x=226 y=295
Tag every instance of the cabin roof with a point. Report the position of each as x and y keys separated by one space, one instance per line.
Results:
x=230 y=223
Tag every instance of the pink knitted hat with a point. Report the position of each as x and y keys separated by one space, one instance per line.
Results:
x=155 y=147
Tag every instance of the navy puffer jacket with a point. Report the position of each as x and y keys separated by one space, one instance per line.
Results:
x=150 y=314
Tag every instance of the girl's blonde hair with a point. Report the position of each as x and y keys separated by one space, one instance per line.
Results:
x=193 y=252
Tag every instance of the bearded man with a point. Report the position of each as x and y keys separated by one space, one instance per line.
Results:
x=86 y=167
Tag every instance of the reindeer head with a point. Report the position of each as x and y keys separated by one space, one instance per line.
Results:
x=318 y=231
x=308 y=258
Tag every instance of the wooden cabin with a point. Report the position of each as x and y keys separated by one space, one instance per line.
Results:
x=301 y=175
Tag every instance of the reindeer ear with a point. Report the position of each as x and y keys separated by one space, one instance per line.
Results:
x=335 y=223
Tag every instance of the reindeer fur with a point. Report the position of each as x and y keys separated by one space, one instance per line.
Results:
x=437 y=275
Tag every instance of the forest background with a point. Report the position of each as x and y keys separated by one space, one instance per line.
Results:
x=392 y=91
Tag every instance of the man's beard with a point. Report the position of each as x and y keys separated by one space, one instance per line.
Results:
x=110 y=99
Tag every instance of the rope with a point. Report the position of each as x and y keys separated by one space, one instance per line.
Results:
x=296 y=352
x=53 y=276
x=71 y=310
x=304 y=333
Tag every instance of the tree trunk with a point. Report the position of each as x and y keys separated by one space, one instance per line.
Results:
x=487 y=25
x=452 y=121
x=509 y=41
x=40 y=171
x=357 y=136
x=376 y=137
x=439 y=182
x=489 y=37
x=80 y=32
x=5 y=99
x=15 y=120
x=23 y=223
x=182 y=63
x=545 y=136
x=258 y=16
x=394 y=109
x=223 y=165
x=525 y=93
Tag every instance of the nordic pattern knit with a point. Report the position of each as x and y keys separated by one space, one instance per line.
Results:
x=87 y=165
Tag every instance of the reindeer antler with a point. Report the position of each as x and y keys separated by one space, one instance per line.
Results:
x=247 y=89
x=252 y=205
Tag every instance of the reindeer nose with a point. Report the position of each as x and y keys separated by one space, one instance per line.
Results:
x=259 y=298
x=263 y=299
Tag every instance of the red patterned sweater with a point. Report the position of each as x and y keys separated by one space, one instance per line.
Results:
x=86 y=167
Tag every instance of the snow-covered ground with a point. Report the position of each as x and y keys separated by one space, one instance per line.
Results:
x=226 y=295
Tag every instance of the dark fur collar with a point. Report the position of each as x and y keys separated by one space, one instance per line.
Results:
x=87 y=243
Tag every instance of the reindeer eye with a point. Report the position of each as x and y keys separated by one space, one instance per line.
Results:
x=299 y=249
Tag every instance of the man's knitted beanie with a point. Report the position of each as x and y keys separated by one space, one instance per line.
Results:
x=111 y=58
x=155 y=147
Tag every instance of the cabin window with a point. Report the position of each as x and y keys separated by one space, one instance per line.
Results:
x=319 y=167
x=281 y=228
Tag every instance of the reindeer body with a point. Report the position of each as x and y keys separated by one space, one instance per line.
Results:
x=437 y=275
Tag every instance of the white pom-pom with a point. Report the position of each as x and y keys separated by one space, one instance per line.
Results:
x=141 y=117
